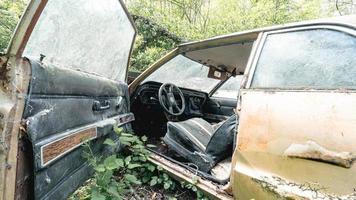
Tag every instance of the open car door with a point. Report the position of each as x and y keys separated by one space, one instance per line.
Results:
x=63 y=82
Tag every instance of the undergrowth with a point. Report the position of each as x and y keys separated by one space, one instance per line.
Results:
x=118 y=176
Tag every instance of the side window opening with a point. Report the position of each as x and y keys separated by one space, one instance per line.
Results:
x=230 y=89
x=95 y=38
x=308 y=59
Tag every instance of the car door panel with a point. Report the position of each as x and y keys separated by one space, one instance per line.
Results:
x=270 y=127
x=59 y=116
x=296 y=127
x=216 y=109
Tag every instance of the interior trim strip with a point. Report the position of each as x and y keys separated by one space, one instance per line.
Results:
x=54 y=148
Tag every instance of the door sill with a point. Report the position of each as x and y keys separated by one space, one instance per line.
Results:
x=213 y=190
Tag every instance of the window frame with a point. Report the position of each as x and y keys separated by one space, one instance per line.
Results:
x=262 y=42
x=30 y=17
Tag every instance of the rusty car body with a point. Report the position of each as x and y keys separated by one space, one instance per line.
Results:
x=295 y=128
x=290 y=88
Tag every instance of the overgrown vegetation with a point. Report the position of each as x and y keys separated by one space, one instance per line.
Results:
x=152 y=42
x=199 y=19
x=10 y=13
x=119 y=176
x=163 y=24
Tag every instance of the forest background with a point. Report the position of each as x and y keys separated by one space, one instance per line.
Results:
x=163 y=24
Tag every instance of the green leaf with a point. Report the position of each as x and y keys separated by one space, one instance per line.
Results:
x=132 y=166
x=132 y=179
x=111 y=162
x=151 y=168
x=127 y=139
x=125 y=143
x=120 y=162
x=100 y=168
x=137 y=146
x=113 y=191
x=145 y=152
x=166 y=185
x=189 y=186
x=165 y=177
x=151 y=145
x=127 y=160
x=109 y=142
x=126 y=134
x=105 y=179
x=143 y=158
x=153 y=182
x=144 y=138
x=195 y=180
x=146 y=179
x=118 y=130
x=139 y=142
x=95 y=195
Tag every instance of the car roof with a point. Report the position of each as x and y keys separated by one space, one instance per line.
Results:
x=250 y=35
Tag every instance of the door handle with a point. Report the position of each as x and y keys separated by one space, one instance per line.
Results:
x=100 y=106
x=216 y=103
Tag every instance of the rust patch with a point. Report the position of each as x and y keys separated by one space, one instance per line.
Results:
x=293 y=191
x=56 y=149
x=5 y=68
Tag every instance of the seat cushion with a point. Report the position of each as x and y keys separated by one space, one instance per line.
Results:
x=196 y=159
x=194 y=133
x=199 y=143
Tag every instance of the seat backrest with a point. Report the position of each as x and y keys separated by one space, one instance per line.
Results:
x=221 y=142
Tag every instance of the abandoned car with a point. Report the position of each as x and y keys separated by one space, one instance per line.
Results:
x=261 y=114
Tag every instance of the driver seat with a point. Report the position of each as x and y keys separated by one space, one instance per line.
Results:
x=201 y=143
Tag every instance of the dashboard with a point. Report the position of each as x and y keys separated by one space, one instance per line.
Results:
x=147 y=94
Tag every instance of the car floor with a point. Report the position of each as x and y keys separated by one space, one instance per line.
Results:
x=221 y=171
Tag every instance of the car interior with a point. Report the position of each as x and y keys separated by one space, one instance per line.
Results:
x=190 y=126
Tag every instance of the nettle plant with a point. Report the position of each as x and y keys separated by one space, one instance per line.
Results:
x=116 y=176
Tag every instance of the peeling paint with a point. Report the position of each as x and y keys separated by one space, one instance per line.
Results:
x=284 y=189
x=312 y=150
x=43 y=112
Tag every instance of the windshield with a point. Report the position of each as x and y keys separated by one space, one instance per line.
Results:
x=185 y=73
x=88 y=35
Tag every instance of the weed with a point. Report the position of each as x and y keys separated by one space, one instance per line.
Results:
x=116 y=176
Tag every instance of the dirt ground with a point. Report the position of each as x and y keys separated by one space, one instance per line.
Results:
x=143 y=192
x=158 y=193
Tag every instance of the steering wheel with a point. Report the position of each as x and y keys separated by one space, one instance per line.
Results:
x=167 y=99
